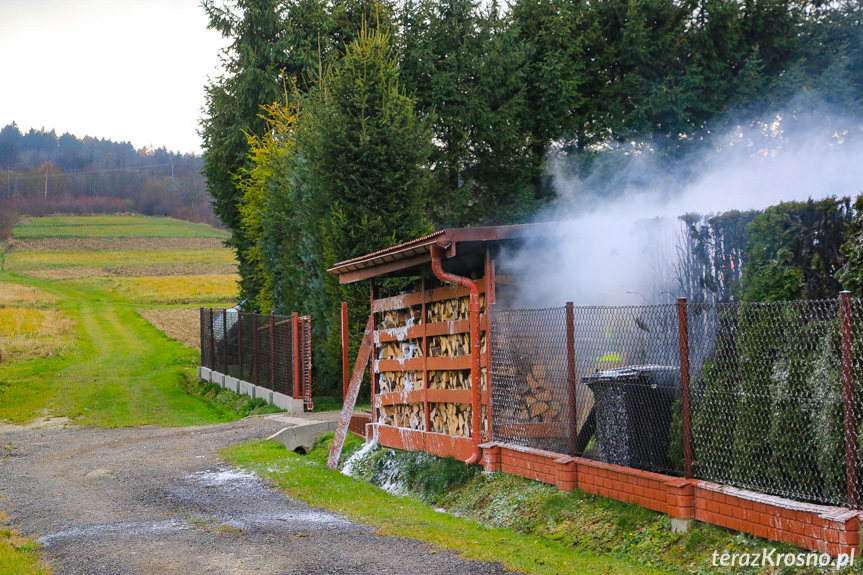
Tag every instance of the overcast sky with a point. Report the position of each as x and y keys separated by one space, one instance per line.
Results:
x=125 y=70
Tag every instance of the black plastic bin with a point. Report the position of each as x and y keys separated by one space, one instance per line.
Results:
x=633 y=414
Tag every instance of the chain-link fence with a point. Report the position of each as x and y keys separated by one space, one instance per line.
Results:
x=768 y=401
x=272 y=351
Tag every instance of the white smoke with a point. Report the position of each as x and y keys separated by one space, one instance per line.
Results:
x=614 y=243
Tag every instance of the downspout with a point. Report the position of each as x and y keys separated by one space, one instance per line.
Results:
x=476 y=393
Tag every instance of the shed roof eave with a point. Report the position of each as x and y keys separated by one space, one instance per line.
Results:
x=416 y=252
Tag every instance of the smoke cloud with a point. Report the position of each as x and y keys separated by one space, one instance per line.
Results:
x=615 y=228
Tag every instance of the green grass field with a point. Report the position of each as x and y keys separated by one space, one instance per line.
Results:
x=113 y=227
x=77 y=348
x=41 y=260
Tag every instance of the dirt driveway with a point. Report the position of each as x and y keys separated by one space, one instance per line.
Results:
x=152 y=500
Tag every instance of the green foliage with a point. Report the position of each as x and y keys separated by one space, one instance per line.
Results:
x=241 y=405
x=255 y=75
x=851 y=273
x=768 y=409
x=675 y=437
x=794 y=251
x=360 y=148
x=464 y=65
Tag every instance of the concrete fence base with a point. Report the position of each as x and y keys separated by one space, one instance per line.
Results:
x=290 y=404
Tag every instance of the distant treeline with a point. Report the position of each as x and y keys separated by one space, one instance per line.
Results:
x=42 y=173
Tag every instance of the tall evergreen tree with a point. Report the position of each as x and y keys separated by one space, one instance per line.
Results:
x=463 y=64
x=363 y=156
x=254 y=65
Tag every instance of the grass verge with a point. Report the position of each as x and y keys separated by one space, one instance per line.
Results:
x=306 y=479
x=18 y=555
x=124 y=372
x=576 y=522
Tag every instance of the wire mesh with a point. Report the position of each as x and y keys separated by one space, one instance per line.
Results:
x=258 y=348
x=594 y=381
x=767 y=408
x=773 y=407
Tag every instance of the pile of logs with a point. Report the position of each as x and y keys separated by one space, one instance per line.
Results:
x=449 y=379
x=449 y=345
x=400 y=350
x=451 y=309
x=410 y=416
x=394 y=381
x=538 y=399
x=405 y=317
x=451 y=418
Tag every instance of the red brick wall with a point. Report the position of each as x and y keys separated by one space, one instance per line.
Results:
x=830 y=530
x=826 y=529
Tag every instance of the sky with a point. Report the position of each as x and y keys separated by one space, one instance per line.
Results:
x=124 y=70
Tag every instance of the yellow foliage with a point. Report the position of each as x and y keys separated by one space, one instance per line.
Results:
x=268 y=153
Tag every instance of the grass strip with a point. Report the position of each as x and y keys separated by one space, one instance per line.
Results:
x=123 y=372
x=308 y=481
x=126 y=226
x=19 y=555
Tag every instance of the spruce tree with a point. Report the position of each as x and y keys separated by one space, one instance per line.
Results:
x=362 y=173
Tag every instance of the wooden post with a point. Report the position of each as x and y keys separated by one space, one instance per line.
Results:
x=201 y=317
x=851 y=469
x=425 y=348
x=570 y=378
x=490 y=298
x=346 y=369
x=373 y=377
x=683 y=322
x=295 y=340
x=363 y=357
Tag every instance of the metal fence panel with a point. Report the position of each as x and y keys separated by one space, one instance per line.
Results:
x=258 y=348
x=773 y=402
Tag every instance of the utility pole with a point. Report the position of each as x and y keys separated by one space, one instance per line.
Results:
x=46 y=183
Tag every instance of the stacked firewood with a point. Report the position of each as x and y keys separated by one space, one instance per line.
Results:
x=405 y=317
x=410 y=415
x=449 y=379
x=451 y=309
x=407 y=349
x=449 y=345
x=539 y=400
x=395 y=381
x=451 y=418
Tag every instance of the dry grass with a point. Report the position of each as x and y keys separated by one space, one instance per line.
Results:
x=26 y=333
x=113 y=244
x=132 y=271
x=167 y=290
x=14 y=295
x=182 y=325
x=28 y=260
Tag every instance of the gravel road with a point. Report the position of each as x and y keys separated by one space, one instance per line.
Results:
x=151 y=500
